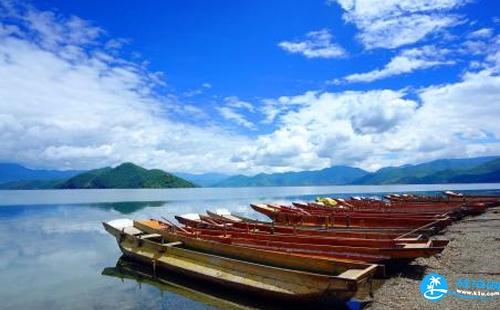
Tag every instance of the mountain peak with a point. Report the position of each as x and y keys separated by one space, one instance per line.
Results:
x=126 y=175
x=128 y=165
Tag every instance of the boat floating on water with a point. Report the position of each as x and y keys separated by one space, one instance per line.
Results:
x=151 y=248
x=321 y=250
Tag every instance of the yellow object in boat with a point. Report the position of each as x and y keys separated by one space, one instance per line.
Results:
x=327 y=201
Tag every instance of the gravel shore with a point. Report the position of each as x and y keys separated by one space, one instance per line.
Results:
x=473 y=252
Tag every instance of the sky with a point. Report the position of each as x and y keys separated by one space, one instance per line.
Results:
x=248 y=86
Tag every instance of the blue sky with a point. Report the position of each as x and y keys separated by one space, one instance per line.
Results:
x=248 y=86
x=234 y=44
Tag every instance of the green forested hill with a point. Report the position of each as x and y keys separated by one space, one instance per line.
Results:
x=126 y=175
x=467 y=170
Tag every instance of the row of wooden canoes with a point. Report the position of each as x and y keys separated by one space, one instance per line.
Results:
x=270 y=273
x=327 y=245
x=411 y=204
x=367 y=207
x=448 y=197
x=225 y=220
x=308 y=250
x=295 y=216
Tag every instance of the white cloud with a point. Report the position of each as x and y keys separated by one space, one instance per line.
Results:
x=406 y=61
x=234 y=110
x=235 y=102
x=481 y=33
x=231 y=115
x=66 y=102
x=317 y=44
x=116 y=44
x=394 y=23
x=377 y=128
x=51 y=30
x=197 y=91
x=272 y=108
x=480 y=42
x=327 y=128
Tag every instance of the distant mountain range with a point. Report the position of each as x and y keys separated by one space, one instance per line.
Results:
x=13 y=172
x=204 y=179
x=128 y=175
x=468 y=170
x=329 y=176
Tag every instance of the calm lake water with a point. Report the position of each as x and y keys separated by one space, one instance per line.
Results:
x=54 y=253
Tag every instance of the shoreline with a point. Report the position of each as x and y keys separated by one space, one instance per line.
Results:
x=473 y=252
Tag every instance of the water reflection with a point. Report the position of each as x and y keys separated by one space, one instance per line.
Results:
x=129 y=207
x=127 y=269
x=203 y=292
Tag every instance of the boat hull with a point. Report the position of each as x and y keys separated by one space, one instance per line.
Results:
x=250 y=277
x=347 y=221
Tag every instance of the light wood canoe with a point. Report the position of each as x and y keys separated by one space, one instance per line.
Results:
x=218 y=246
x=151 y=248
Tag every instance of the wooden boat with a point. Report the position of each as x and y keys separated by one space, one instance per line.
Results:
x=243 y=224
x=221 y=217
x=289 y=218
x=222 y=246
x=307 y=239
x=360 y=230
x=131 y=270
x=401 y=251
x=491 y=199
x=388 y=210
x=314 y=209
x=151 y=248
x=392 y=213
x=456 y=207
x=449 y=198
x=367 y=207
x=395 y=251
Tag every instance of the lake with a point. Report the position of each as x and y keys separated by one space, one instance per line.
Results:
x=54 y=253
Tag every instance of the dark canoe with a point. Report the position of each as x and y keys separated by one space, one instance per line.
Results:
x=385 y=212
x=150 y=248
x=490 y=200
x=401 y=251
x=449 y=198
x=398 y=251
x=463 y=208
x=249 y=224
x=376 y=243
x=288 y=218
